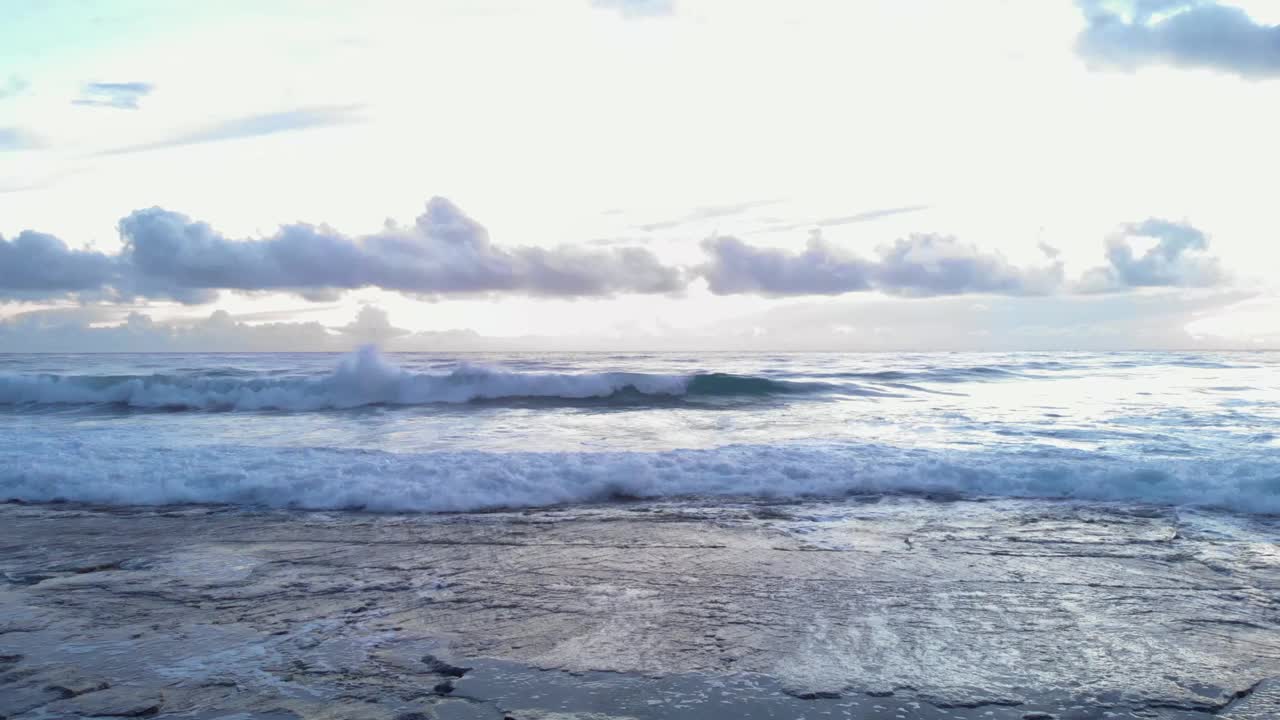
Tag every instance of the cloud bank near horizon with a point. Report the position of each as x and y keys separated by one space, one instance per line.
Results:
x=167 y=255
x=1081 y=322
x=445 y=253
x=928 y=265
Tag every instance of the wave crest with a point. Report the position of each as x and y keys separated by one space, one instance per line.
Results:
x=366 y=377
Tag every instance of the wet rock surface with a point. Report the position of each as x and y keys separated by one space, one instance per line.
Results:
x=887 y=607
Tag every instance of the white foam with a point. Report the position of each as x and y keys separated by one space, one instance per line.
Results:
x=361 y=378
x=42 y=468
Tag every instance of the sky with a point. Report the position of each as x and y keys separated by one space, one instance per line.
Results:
x=638 y=174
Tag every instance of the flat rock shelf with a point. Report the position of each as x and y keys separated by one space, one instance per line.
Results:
x=892 y=607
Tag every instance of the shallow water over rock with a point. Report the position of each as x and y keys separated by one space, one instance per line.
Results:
x=877 y=607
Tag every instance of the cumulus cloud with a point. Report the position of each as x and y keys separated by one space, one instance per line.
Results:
x=1182 y=33
x=918 y=266
x=169 y=255
x=118 y=95
x=1177 y=259
x=36 y=266
x=637 y=8
x=924 y=265
x=443 y=253
x=254 y=126
x=820 y=269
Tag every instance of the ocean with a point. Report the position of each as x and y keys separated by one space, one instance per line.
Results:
x=477 y=432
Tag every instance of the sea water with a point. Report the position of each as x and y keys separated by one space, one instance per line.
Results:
x=465 y=432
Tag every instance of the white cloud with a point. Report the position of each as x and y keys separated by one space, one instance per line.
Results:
x=981 y=110
x=1177 y=259
x=117 y=95
x=637 y=8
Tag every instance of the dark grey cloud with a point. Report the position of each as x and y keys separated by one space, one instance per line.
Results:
x=118 y=95
x=254 y=126
x=1177 y=259
x=1180 y=33
x=637 y=8
x=443 y=253
x=916 y=266
x=12 y=138
x=36 y=266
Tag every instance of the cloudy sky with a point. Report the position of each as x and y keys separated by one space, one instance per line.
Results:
x=639 y=174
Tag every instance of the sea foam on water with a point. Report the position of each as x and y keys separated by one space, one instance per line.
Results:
x=443 y=434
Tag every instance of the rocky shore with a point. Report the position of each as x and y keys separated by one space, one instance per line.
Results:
x=876 y=607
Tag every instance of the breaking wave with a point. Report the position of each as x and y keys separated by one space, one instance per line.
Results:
x=1082 y=427
x=52 y=469
x=367 y=378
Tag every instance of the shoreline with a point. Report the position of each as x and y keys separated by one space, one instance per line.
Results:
x=888 y=606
